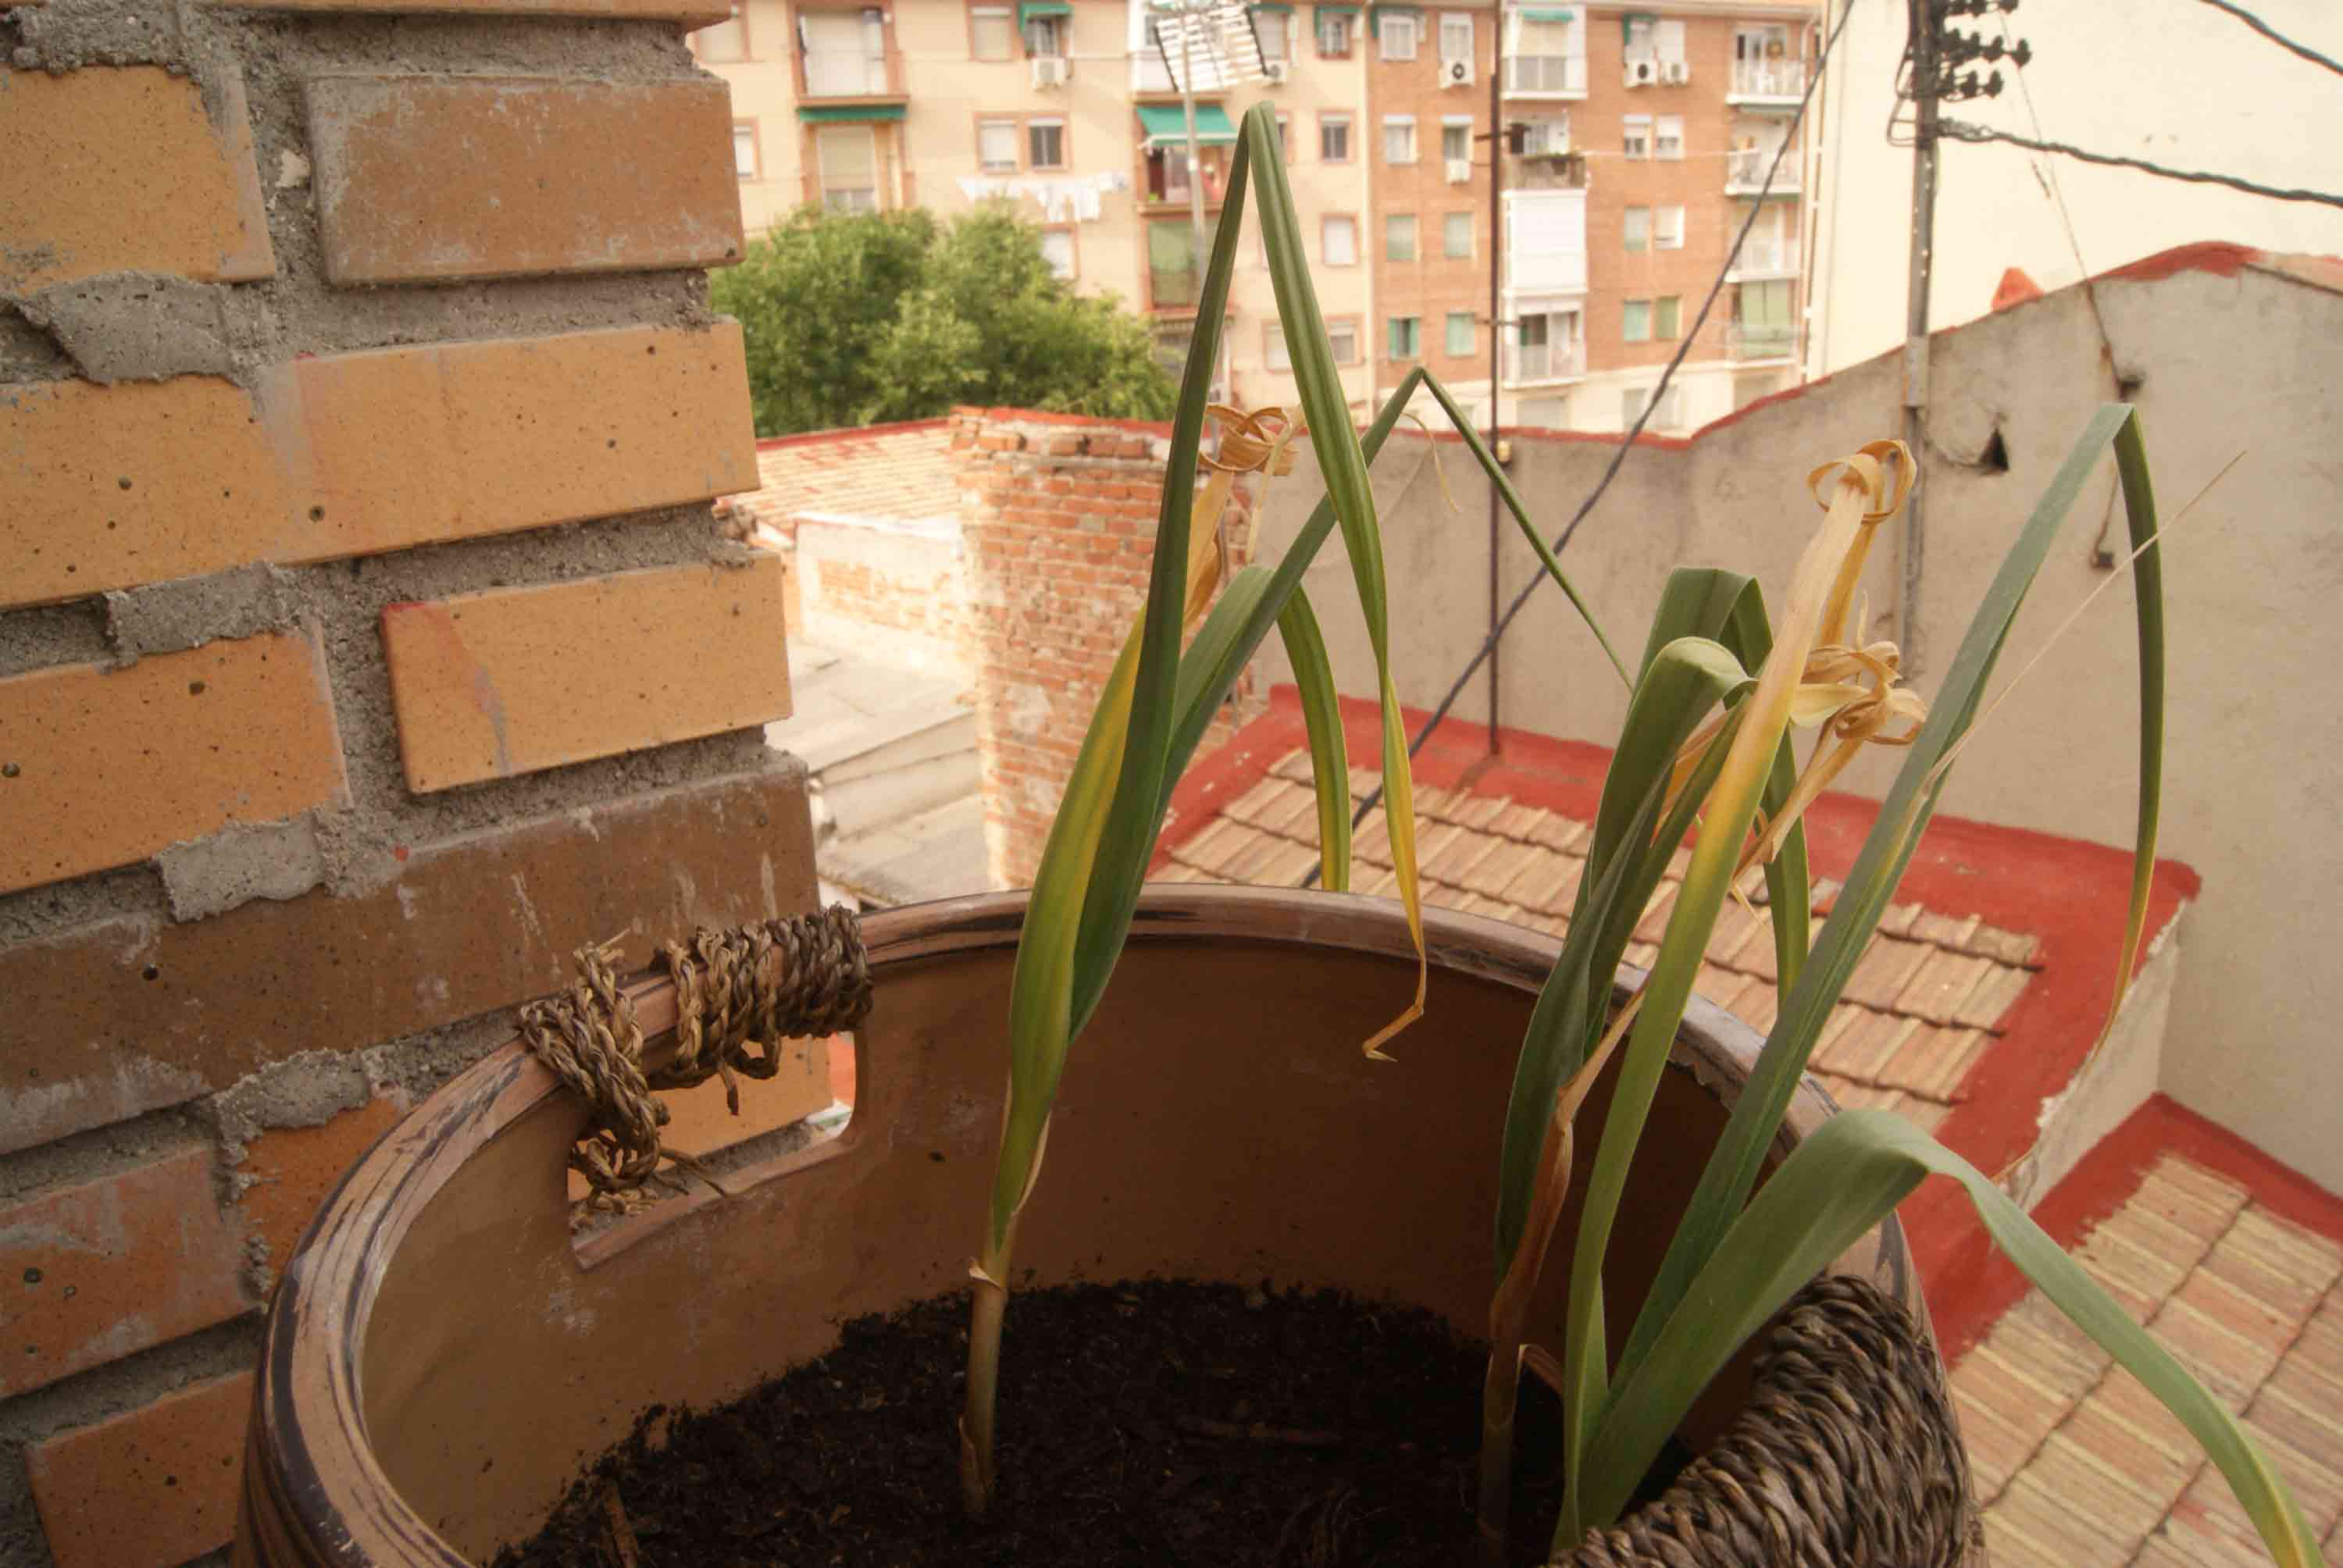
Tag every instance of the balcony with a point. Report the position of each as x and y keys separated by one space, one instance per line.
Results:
x=1535 y=364
x=1744 y=340
x=1782 y=82
x=1745 y=172
x=1765 y=255
x=1149 y=73
x=1545 y=75
x=834 y=73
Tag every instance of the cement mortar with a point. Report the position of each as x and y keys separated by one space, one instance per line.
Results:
x=135 y=326
x=165 y=618
x=100 y=1152
x=241 y=862
x=305 y=1091
x=51 y=635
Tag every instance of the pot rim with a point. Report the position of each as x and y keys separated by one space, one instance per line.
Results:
x=309 y=1411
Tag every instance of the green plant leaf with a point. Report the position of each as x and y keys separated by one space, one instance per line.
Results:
x=1835 y=1186
x=1889 y=848
x=1322 y=715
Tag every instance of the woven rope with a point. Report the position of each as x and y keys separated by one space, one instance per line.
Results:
x=1847 y=1453
x=739 y=994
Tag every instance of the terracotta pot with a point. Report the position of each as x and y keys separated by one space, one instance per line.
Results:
x=443 y=1358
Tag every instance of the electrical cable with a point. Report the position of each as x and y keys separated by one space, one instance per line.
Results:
x=1958 y=131
x=2274 y=35
x=1627 y=442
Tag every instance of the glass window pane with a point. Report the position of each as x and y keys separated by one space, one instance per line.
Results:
x=1667 y=228
x=1636 y=138
x=1397 y=35
x=1399 y=238
x=1637 y=328
x=1639 y=227
x=1269 y=29
x=1343 y=337
x=1457 y=234
x=1334 y=138
x=1058 y=250
x=1456 y=142
x=1404 y=334
x=1668 y=137
x=1278 y=358
x=1045 y=37
x=1333 y=35
x=992 y=35
x=996 y=143
x=727 y=41
x=1399 y=141
x=744 y=151
x=1665 y=317
x=1338 y=241
x=1460 y=332
x=1045 y=144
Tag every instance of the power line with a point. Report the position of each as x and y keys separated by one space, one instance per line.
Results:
x=2274 y=35
x=1627 y=442
x=1967 y=133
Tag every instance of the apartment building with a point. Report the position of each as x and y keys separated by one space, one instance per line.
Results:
x=1644 y=136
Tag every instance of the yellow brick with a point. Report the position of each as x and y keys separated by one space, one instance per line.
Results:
x=354 y=454
x=101 y=767
x=120 y=170
x=488 y=685
x=431 y=177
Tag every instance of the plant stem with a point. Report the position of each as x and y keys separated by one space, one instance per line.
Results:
x=1500 y=1391
x=987 y=1303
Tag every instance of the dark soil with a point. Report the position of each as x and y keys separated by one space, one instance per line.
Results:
x=1142 y=1423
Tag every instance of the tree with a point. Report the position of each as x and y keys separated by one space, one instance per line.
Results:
x=852 y=318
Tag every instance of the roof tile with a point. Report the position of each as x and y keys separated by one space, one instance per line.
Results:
x=903 y=473
x=1932 y=1062
x=1559 y=832
x=1883 y=971
x=2047 y=1519
x=1517 y=820
x=1942 y=984
x=2310 y=1433
x=1995 y=994
x=1494 y=871
x=1945 y=930
x=1548 y=883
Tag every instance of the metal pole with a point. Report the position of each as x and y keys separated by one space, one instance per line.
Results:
x=1924 y=23
x=1496 y=326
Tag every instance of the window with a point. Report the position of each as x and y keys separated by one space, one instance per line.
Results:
x=1273 y=347
x=1639 y=37
x=1545 y=346
x=726 y=42
x=1045 y=144
x=1284 y=137
x=1399 y=237
x=848 y=156
x=1342 y=338
x=1456 y=235
x=1405 y=337
x=1269 y=27
x=996 y=143
x=1667 y=140
x=1338 y=241
x=1545 y=57
x=1045 y=37
x=1396 y=35
x=1334 y=32
x=1334 y=138
x=1639 y=228
x=1637 y=326
x=1173 y=277
x=1763 y=325
x=1667 y=315
x=1667 y=228
x=1668 y=41
x=1668 y=415
x=1455 y=43
x=1636 y=140
x=744 y=149
x=1058 y=250
x=1457 y=141
x=1399 y=138
x=845 y=52
x=992 y=33
x=1460 y=333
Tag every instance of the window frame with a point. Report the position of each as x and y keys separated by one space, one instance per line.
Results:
x=1628 y=126
x=1449 y=125
x=699 y=39
x=1013 y=42
x=1412 y=22
x=1061 y=26
x=1471 y=233
x=1345 y=21
x=1414 y=150
x=1662 y=126
x=1396 y=224
x=1326 y=218
x=1464 y=19
x=1472 y=335
x=1349 y=123
x=1627 y=316
x=821 y=168
x=1016 y=129
x=1630 y=240
x=1278 y=24
x=1073 y=250
x=1273 y=346
x=1667 y=319
x=1349 y=326
x=1064 y=124
x=756 y=171
x=1414 y=326
x=1667 y=236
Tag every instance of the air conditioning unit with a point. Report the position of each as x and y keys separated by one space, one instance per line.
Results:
x=1642 y=72
x=1456 y=73
x=1460 y=171
x=1049 y=71
x=1676 y=72
x=1277 y=71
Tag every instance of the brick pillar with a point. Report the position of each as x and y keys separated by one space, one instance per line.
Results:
x=1058 y=515
x=367 y=643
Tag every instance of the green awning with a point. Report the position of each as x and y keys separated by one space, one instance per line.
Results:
x=1378 y=7
x=820 y=112
x=1547 y=13
x=1269 y=6
x=1029 y=9
x=1336 y=10
x=1166 y=126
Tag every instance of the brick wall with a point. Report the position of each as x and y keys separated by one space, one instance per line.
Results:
x=898 y=590
x=367 y=643
x=1058 y=514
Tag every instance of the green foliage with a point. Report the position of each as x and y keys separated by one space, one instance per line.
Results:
x=855 y=318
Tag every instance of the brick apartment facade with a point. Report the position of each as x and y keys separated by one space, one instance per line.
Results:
x=1651 y=125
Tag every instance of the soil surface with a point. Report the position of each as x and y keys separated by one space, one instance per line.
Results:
x=1149 y=1422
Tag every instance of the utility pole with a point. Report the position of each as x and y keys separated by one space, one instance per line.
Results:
x=1926 y=23
x=1496 y=326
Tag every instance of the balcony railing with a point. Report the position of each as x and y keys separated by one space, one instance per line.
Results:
x=1744 y=171
x=1766 y=79
x=1766 y=257
x=1545 y=75
x=1746 y=341
x=1170 y=290
x=1526 y=365
x=846 y=74
x=1149 y=73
